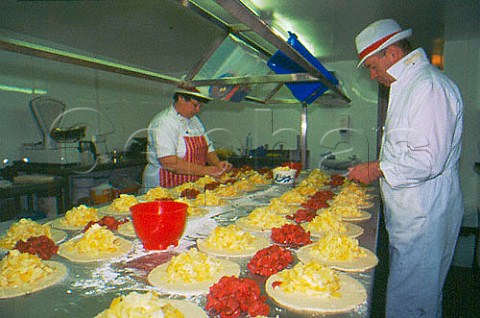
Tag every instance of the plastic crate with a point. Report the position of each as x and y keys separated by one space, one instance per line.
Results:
x=282 y=64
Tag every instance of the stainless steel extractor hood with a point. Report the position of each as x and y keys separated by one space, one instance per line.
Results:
x=260 y=42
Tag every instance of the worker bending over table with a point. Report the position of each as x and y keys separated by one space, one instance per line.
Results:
x=178 y=150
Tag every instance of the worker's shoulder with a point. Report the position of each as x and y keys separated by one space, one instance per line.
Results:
x=434 y=80
x=164 y=118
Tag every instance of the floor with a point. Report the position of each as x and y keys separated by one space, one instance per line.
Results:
x=461 y=291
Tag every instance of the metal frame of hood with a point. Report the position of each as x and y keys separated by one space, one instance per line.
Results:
x=251 y=22
x=36 y=50
x=246 y=16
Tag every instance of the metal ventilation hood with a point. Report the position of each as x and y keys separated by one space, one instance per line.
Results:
x=235 y=59
x=251 y=42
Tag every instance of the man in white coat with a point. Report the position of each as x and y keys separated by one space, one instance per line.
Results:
x=417 y=167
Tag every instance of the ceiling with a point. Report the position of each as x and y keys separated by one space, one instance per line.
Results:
x=164 y=36
x=330 y=26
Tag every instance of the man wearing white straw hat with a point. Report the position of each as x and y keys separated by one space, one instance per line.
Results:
x=417 y=168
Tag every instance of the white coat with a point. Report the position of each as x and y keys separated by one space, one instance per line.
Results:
x=166 y=137
x=421 y=189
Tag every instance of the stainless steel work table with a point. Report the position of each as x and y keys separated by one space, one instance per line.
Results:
x=89 y=288
x=100 y=172
x=42 y=186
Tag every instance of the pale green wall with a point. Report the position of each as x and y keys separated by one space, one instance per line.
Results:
x=462 y=64
x=125 y=104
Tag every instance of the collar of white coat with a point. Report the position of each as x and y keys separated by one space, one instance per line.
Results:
x=415 y=58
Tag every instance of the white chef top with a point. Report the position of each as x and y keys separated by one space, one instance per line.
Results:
x=166 y=132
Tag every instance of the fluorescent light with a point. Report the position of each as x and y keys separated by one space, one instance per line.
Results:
x=281 y=24
x=23 y=90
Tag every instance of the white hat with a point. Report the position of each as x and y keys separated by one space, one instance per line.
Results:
x=378 y=36
x=192 y=91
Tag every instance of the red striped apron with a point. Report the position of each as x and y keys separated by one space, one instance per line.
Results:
x=196 y=152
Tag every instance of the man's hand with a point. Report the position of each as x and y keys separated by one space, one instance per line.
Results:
x=366 y=172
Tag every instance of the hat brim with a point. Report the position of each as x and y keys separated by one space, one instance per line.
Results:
x=397 y=37
x=195 y=95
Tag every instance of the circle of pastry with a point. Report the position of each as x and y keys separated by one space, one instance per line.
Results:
x=193 y=211
x=227 y=191
x=96 y=244
x=262 y=220
x=191 y=273
x=158 y=193
x=328 y=222
x=349 y=212
x=107 y=210
x=351 y=199
x=58 y=236
x=76 y=218
x=340 y=252
x=16 y=266
x=149 y=304
x=127 y=230
x=281 y=208
x=363 y=216
x=366 y=205
x=119 y=206
x=231 y=241
x=299 y=290
x=209 y=198
x=26 y=228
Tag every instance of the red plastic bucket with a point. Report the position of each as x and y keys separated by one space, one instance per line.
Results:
x=159 y=224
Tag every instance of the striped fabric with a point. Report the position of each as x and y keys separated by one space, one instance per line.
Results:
x=197 y=149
